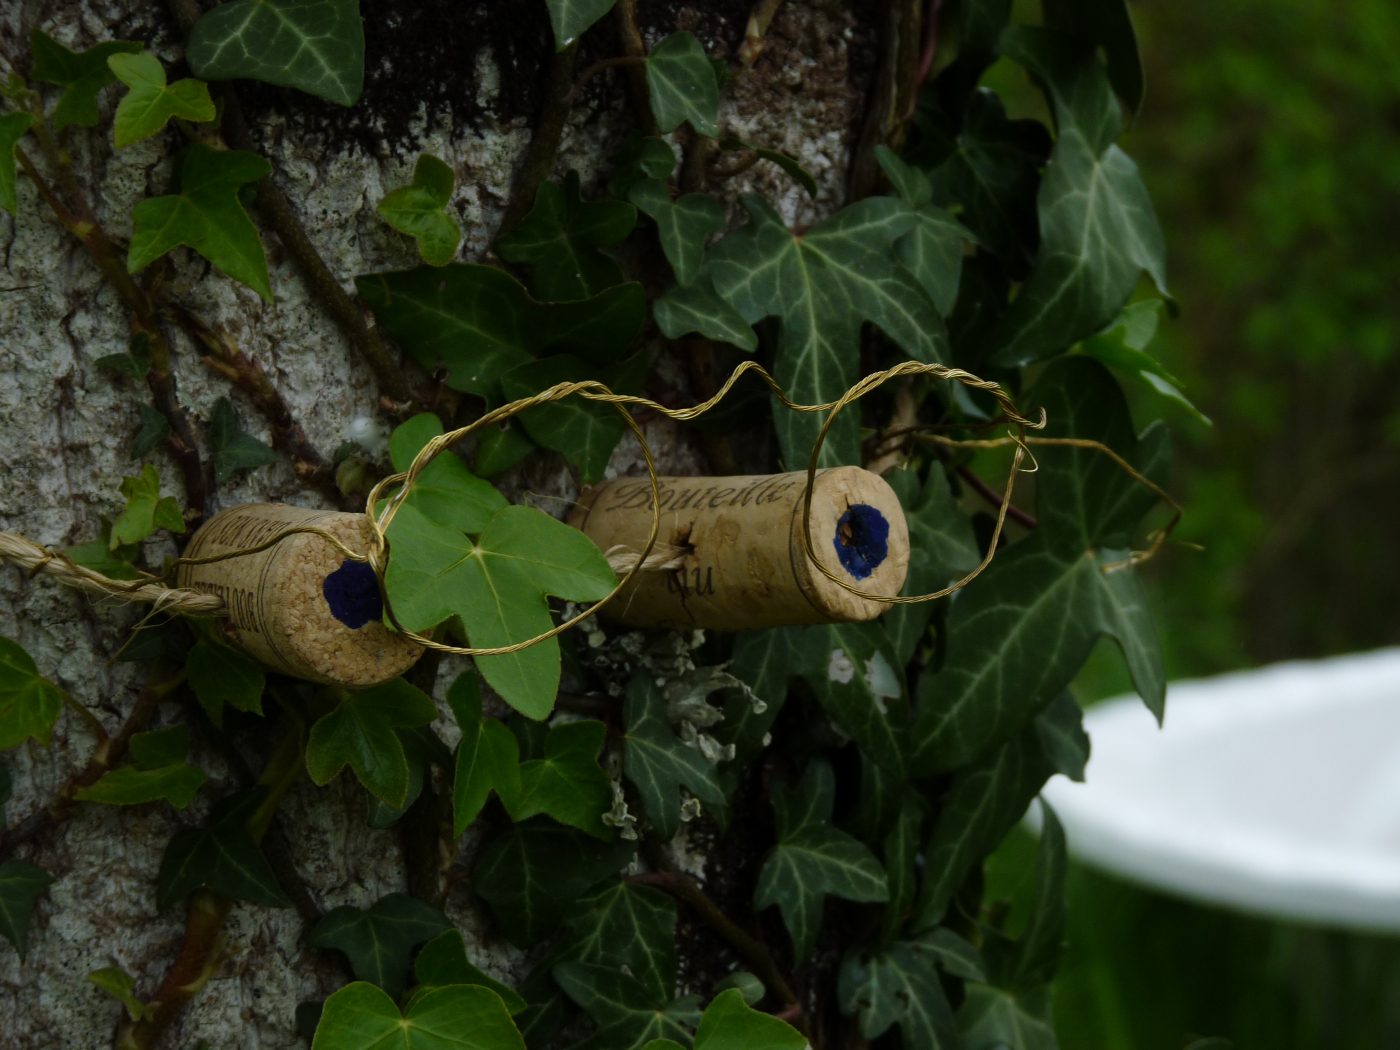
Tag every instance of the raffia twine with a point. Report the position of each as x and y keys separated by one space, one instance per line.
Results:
x=624 y=562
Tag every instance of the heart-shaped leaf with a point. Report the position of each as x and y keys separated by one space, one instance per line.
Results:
x=567 y=783
x=177 y=783
x=682 y=225
x=683 y=85
x=220 y=674
x=446 y=491
x=234 y=450
x=29 y=704
x=221 y=856
x=20 y=883
x=488 y=758
x=145 y=510
x=150 y=104
x=571 y=17
x=419 y=210
x=359 y=733
x=457 y=1017
x=378 y=941
x=658 y=763
x=82 y=73
x=443 y=961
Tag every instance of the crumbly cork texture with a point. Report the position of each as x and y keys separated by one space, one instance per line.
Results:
x=746 y=566
x=300 y=607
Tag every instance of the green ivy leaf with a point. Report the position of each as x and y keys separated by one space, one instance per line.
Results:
x=1109 y=24
x=640 y=158
x=897 y=986
x=480 y=322
x=991 y=170
x=178 y=783
x=532 y=875
x=443 y=961
x=100 y=557
x=813 y=859
x=446 y=491
x=150 y=104
x=683 y=86
x=763 y=660
x=161 y=747
x=1123 y=347
x=627 y=1014
x=155 y=428
x=571 y=17
x=947 y=950
x=620 y=925
x=29 y=704
x=729 y=1024
x=749 y=986
x=942 y=549
x=206 y=214
x=317 y=46
x=20 y=883
x=786 y=161
x=901 y=849
x=145 y=510
x=992 y=1019
x=658 y=763
x=699 y=308
x=234 y=450
x=561 y=238
x=121 y=986
x=12 y=128
x=421 y=746
x=359 y=733
x=933 y=250
x=683 y=225
x=1060 y=729
x=498 y=587
x=567 y=783
x=379 y=941
x=221 y=856
x=586 y=432
x=136 y=362
x=219 y=674
x=1021 y=630
x=488 y=758
x=500 y=448
x=1098 y=229
x=419 y=210
x=457 y=1017
x=1042 y=942
x=821 y=286
x=83 y=73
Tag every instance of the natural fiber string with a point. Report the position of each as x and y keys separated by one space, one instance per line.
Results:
x=625 y=562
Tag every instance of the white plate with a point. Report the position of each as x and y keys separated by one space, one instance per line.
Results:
x=1276 y=791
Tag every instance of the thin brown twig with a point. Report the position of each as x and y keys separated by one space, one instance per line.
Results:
x=927 y=54
x=543 y=150
x=629 y=37
x=597 y=67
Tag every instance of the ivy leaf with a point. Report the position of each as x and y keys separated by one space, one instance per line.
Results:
x=992 y=1019
x=567 y=783
x=729 y=1024
x=83 y=73
x=12 y=128
x=150 y=104
x=1109 y=24
x=1098 y=229
x=161 y=747
x=1060 y=729
x=627 y=1014
x=699 y=308
x=763 y=660
x=984 y=802
x=560 y=238
x=1021 y=630
x=532 y=875
x=788 y=163
x=206 y=215
x=219 y=675
x=29 y=704
x=821 y=286
x=1123 y=347
x=946 y=949
x=488 y=758
x=419 y=210
x=1040 y=946
x=498 y=587
x=992 y=170
x=942 y=549
x=221 y=856
x=933 y=250
x=20 y=883
x=658 y=763
x=359 y=733
x=586 y=432
x=901 y=849
x=177 y=782
x=446 y=491
x=640 y=158
x=457 y=1017
x=682 y=225
x=317 y=46
x=480 y=322
x=628 y=928
x=145 y=510
x=443 y=961
x=136 y=362
x=121 y=986
x=155 y=428
x=233 y=449
x=421 y=747
x=897 y=986
x=683 y=85
x=571 y=17
x=378 y=941
x=813 y=859
x=99 y=556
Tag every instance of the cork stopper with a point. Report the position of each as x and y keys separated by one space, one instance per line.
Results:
x=300 y=607
x=744 y=563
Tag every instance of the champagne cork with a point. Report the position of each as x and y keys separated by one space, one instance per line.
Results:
x=744 y=563
x=300 y=607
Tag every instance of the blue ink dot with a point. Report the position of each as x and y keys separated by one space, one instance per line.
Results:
x=861 y=540
x=352 y=592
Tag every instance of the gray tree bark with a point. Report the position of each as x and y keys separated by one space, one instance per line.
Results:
x=66 y=430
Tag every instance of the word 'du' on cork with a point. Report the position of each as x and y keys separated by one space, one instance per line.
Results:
x=300 y=607
x=739 y=560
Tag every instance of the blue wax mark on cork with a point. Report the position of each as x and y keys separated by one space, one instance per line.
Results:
x=352 y=592
x=861 y=540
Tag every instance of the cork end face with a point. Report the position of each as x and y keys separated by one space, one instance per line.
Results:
x=860 y=534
